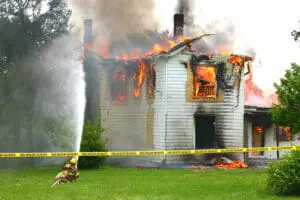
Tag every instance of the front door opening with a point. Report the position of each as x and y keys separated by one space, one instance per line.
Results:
x=257 y=138
x=205 y=132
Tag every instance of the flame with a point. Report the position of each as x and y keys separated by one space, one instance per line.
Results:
x=139 y=78
x=254 y=96
x=286 y=129
x=121 y=97
x=257 y=129
x=102 y=47
x=119 y=76
x=208 y=76
x=235 y=164
x=224 y=49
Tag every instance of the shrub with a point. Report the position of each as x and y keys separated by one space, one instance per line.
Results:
x=92 y=141
x=284 y=175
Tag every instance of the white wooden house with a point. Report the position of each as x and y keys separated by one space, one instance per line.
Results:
x=176 y=107
x=174 y=118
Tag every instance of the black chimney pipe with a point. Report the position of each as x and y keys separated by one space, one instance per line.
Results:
x=178 y=25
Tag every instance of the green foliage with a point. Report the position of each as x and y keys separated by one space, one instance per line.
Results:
x=284 y=175
x=26 y=25
x=287 y=113
x=92 y=141
x=296 y=34
x=61 y=133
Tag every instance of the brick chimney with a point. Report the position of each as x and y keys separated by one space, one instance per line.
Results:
x=91 y=73
x=178 y=25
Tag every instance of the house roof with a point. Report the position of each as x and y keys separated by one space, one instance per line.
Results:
x=255 y=110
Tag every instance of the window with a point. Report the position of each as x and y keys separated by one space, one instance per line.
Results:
x=119 y=85
x=151 y=81
x=284 y=134
x=205 y=82
x=138 y=79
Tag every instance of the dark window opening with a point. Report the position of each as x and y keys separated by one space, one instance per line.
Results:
x=205 y=132
x=151 y=81
x=119 y=86
x=285 y=134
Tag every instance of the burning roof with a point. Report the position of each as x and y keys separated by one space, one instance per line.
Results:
x=256 y=97
x=153 y=44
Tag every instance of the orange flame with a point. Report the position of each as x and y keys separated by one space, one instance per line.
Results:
x=102 y=48
x=205 y=76
x=121 y=97
x=224 y=49
x=257 y=129
x=254 y=96
x=139 y=78
x=235 y=164
x=287 y=130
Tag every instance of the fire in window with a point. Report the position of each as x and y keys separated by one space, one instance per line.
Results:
x=284 y=134
x=205 y=82
x=138 y=78
x=151 y=81
x=118 y=86
x=258 y=138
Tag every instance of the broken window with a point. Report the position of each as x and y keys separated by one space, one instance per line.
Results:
x=119 y=84
x=151 y=81
x=138 y=78
x=284 y=134
x=205 y=82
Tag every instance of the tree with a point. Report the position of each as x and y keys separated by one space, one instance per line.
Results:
x=296 y=34
x=26 y=28
x=92 y=141
x=27 y=25
x=287 y=112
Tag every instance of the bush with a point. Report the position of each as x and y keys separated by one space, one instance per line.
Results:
x=284 y=175
x=92 y=141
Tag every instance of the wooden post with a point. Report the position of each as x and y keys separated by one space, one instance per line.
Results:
x=277 y=139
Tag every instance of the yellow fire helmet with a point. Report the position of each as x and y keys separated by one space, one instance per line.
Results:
x=73 y=160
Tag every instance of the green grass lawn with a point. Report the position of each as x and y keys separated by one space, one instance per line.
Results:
x=134 y=184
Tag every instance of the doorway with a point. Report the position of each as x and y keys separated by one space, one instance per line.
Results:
x=258 y=138
x=205 y=132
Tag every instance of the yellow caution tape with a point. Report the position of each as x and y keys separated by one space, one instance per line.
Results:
x=146 y=153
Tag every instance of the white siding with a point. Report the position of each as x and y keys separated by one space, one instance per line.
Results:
x=180 y=113
x=160 y=105
x=125 y=124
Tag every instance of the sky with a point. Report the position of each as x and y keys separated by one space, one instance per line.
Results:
x=265 y=26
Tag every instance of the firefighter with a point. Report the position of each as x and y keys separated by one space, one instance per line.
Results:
x=69 y=174
x=72 y=170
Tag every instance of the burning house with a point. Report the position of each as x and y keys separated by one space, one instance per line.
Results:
x=259 y=129
x=172 y=97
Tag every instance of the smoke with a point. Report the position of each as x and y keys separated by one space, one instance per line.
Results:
x=186 y=7
x=224 y=30
x=116 y=19
x=44 y=108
